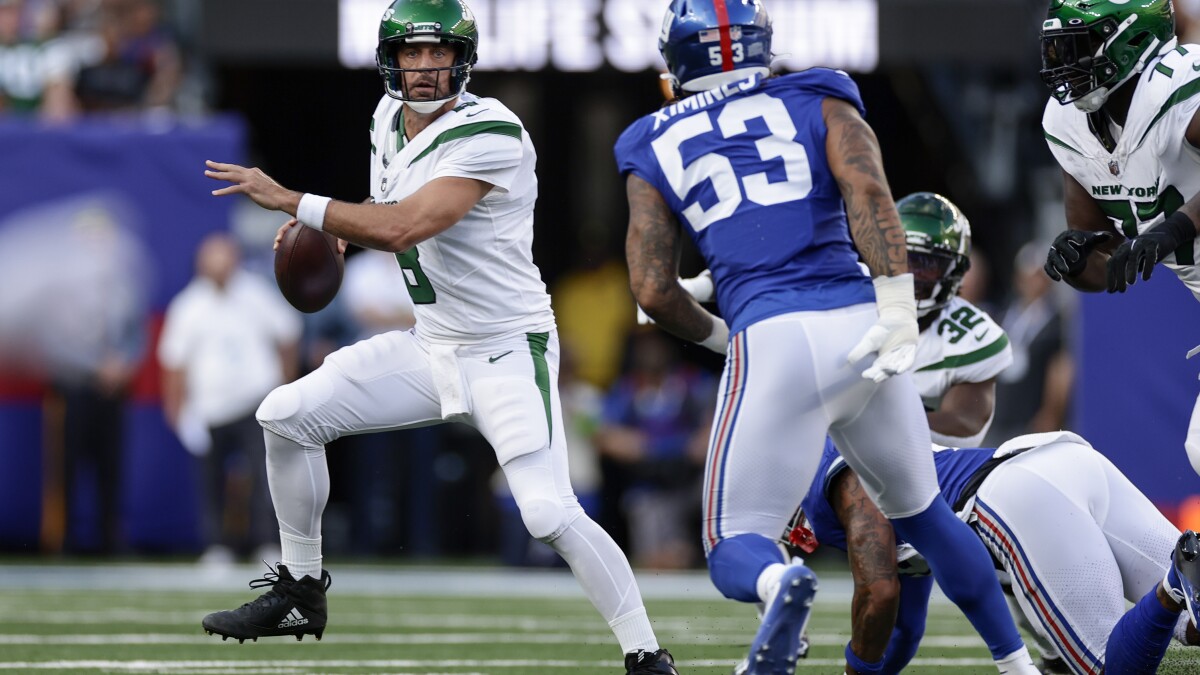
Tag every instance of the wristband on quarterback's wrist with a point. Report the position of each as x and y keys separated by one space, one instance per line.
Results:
x=311 y=211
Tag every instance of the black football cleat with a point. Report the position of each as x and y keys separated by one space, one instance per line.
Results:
x=643 y=662
x=290 y=607
x=1183 y=578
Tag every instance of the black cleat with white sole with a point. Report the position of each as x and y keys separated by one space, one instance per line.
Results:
x=643 y=662
x=290 y=607
x=1183 y=578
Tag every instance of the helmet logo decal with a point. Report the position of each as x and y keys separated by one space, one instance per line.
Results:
x=387 y=16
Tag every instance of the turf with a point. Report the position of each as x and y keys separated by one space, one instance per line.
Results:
x=158 y=631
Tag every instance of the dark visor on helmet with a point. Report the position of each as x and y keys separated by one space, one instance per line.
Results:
x=928 y=270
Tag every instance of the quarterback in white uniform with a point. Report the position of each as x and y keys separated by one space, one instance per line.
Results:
x=453 y=186
x=1123 y=126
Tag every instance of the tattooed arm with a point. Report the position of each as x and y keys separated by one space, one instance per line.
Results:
x=871 y=545
x=855 y=160
x=652 y=248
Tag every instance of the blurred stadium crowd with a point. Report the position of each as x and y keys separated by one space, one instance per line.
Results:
x=88 y=287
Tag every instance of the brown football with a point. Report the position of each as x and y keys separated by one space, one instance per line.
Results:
x=308 y=268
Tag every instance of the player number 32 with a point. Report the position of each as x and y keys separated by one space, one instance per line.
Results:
x=780 y=144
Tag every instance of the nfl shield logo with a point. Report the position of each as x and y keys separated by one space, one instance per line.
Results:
x=1114 y=168
x=383 y=184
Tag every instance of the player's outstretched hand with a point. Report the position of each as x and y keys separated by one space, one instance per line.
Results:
x=1069 y=253
x=253 y=183
x=1137 y=255
x=894 y=335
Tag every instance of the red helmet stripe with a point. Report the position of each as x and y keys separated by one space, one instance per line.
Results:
x=726 y=40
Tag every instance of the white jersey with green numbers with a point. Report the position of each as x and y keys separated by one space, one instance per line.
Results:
x=1152 y=170
x=475 y=280
x=963 y=344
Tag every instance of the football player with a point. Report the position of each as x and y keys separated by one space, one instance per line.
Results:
x=1068 y=528
x=762 y=171
x=1123 y=125
x=453 y=186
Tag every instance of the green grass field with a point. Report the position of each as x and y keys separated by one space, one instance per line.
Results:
x=157 y=630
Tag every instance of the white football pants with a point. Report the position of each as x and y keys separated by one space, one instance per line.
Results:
x=510 y=387
x=1077 y=540
x=786 y=385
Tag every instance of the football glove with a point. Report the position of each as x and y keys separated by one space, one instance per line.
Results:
x=894 y=335
x=1069 y=253
x=1145 y=251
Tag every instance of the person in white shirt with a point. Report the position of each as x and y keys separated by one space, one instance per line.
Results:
x=227 y=341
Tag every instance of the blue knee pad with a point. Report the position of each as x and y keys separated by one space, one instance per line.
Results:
x=735 y=563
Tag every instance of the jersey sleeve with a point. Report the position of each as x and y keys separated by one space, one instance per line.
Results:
x=492 y=153
x=1173 y=118
x=826 y=82
x=633 y=153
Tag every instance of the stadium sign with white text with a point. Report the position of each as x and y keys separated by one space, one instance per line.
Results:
x=587 y=35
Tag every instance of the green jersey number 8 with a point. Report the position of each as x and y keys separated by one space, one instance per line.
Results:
x=418 y=284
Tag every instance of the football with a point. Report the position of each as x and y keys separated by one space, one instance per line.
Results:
x=308 y=268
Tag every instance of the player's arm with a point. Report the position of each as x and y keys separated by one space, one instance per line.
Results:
x=964 y=413
x=435 y=207
x=653 y=246
x=871 y=546
x=1079 y=255
x=910 y=622
x=857 y=164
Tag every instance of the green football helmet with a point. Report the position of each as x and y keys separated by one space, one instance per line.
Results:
x=1091 y=47
x=426 y=21
x=939 y=245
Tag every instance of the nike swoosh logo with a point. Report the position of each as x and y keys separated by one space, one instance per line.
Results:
x=1196 y=67
x=494 y=359
x=979 y=338
x=477 y=112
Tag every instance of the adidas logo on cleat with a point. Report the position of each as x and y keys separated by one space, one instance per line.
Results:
x=293 y=619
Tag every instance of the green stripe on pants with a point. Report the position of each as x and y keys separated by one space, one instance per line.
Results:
x=541 y=372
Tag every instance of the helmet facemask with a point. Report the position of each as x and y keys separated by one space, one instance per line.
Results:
x=396 y=79
x=937 y=276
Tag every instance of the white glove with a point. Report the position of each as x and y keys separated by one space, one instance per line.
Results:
x=894 y=335
x=699 y=287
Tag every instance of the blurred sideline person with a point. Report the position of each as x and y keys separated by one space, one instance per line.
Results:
x=1068 y=529
x=780 y=182
x=1122 y=122
x=1034 y=395
x=228 y=339
x=655 y=425
x=453 y=186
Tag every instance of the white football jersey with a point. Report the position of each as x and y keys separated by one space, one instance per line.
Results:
x=476 y=280
x=1152 y=170
x=963 y=344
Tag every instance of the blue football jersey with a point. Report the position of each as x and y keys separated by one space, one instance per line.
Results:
x=743 y=168
x=954 y=470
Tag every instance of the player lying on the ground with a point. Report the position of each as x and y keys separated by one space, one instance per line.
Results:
x=1076 y=537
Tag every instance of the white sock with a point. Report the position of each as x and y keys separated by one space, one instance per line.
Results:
x=768 y=582
x=1017 y=663
x=299 y=480
x=633 y=631
x=301 y=556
